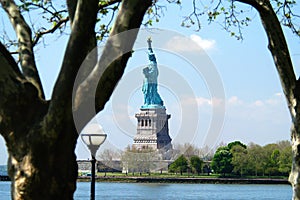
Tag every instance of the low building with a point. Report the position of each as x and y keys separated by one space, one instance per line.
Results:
x=111 y=166
x=84 y=166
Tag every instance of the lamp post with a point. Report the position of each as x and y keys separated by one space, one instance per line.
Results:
x=93 y=140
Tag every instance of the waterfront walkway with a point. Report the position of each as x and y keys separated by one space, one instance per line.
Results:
x=188 y=180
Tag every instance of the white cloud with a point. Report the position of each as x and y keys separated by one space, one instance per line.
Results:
x=278 y=98
x=258 y=103
x=217 y=102
x=279 y=94
x=257 y=110
x=234 y=100
x=205 y=44
x=275 y=100
x=203 y=101
x=193 y=43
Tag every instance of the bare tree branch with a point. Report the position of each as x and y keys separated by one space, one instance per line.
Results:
x=105 y=4
x=189 y=20
x=39 y=34
x=47 y=9
x=26 y=53
x=289 y=17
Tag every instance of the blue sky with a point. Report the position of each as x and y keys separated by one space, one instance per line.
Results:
x=255 y=110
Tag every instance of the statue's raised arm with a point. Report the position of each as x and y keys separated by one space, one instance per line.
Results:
x=149 y=43
x=151 y=54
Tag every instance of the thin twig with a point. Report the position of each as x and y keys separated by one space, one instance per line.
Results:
x=39 y=34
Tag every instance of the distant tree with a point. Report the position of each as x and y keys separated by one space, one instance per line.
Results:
x=271 y=159
x=196 y=164
x=190 y=150
x=273 y=165
x=221 y=162
x=179 y=165
x=107 y=158
x=146 y=160
x=206 y=153
x=284 y=144
x=236 y=143
x=128 y=160
x=139 y=160
x=239 y=159
x=186 y=149
x=255 y=164
x=285 y=160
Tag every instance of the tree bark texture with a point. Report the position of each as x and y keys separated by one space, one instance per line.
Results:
x=290 y=85
x=41 y=135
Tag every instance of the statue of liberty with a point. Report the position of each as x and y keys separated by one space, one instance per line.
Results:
x=151 y=96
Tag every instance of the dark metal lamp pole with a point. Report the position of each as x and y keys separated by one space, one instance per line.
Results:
x=93 y=178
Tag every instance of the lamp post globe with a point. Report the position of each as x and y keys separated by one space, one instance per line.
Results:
x=93 y=136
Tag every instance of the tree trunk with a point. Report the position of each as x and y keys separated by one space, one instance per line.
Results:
x=40 y=167
x=295 y=173
x=44 y=171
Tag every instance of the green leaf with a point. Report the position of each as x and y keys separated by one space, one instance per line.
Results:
x=149 y=11
x=104 y=11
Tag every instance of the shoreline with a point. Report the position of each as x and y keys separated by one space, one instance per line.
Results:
x=134 y=179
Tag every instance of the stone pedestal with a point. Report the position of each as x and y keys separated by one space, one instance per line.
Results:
x=152 y=129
